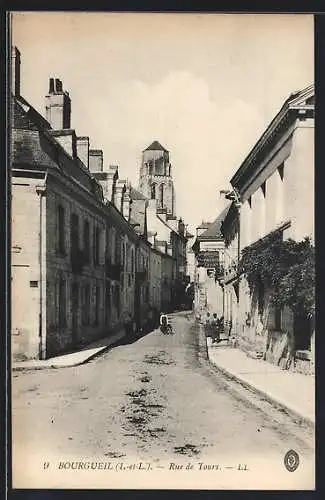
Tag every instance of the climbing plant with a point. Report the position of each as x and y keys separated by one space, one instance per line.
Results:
x=288 y=267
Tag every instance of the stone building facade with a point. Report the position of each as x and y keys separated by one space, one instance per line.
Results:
x=156 y=181
x=209 y=255
x=80 y=267
x=168 y=233
x=275 y=184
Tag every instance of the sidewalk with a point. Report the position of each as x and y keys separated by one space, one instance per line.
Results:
x=76 y=358
x=294 y=392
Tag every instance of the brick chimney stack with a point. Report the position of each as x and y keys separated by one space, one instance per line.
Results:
x=15 y=71
x=58 y=106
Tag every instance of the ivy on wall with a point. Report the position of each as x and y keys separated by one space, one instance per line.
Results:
x=288 y=267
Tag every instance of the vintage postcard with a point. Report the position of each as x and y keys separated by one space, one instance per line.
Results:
x=162 y=258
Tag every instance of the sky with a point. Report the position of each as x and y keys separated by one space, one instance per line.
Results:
x=204 y=85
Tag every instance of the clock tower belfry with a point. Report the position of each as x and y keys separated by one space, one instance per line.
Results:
x=156 y=180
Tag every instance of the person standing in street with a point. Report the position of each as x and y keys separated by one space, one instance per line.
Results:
x=165 y=326
x=207 y=325
x=215 y=328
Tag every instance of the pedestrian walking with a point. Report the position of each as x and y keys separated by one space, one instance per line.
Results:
x=215 y=328
x=207 y=325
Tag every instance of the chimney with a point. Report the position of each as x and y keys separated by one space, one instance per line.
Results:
x=68 y=140
x=126 y=209
x=119 y=195
x=95 y=160
x=58 y=106
x=107 y=179
x=15 y=71
x=83 y=150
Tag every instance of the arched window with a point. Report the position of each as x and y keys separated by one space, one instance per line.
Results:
x=161 y=189
x=153 y=191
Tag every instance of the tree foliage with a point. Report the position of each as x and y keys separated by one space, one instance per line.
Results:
x=288 y=267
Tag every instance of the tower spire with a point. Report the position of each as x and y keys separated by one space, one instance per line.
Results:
x=156 y=181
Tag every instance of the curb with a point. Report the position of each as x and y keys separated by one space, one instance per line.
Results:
x=53 y=365
x=274 y=401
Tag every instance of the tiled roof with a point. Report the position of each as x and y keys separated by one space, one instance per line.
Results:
x=156 y=146
x=214 y=229
x=41 y=150
x=26 y=117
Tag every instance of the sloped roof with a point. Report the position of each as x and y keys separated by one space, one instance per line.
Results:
x=41 y=150
x=214 y=229
x=298 y=100
x=156 y=146
x=26 y=117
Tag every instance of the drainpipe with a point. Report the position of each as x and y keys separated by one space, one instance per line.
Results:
x=41 y=191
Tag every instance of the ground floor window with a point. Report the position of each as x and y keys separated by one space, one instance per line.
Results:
x=97 y=305
x=62 y=303
x=117 y=303
x=107 y=303
x=86 y=305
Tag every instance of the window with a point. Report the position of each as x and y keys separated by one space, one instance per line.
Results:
x=86 y=241
x=60 y=230
x=132 y=263
x=123 y=254
x=74 y=233
x=108 y=304
x=117 y=299
x=162 y=195
x=86 y=306
x=108 y=243
x=96 y=245
x=62 y=303
x=153 y=191
x=97 y=305
x=117 y=249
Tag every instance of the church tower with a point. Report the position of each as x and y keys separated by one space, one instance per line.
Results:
x=156 y=180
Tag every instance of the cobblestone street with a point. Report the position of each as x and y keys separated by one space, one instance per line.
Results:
x=158 y=401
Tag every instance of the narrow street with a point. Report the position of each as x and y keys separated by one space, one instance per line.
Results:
x=155 y=400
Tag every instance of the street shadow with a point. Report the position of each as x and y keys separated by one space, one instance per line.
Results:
x=131 y=338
